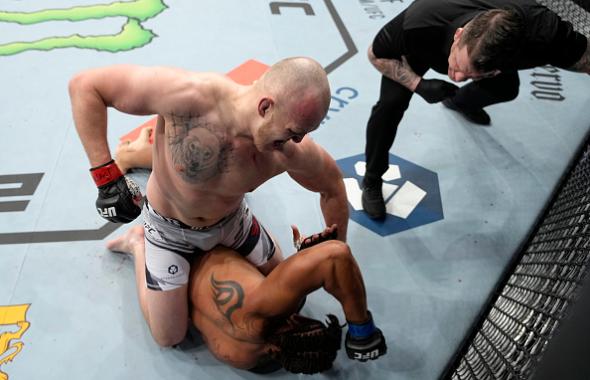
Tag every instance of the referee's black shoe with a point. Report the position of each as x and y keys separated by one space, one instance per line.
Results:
x=475 y=115
x=372 y=200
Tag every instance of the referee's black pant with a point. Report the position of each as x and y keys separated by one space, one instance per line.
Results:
x=394 y=99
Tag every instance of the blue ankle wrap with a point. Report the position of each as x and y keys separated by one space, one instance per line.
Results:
x=362 y=330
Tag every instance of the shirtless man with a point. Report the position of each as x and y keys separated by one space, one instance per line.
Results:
x=214 y=141
x=249 y=321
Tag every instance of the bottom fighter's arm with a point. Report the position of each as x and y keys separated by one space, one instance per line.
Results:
x=329 y=265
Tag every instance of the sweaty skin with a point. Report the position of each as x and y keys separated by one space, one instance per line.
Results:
x=221 y=308
x=211 y=142
x=214 y=141
x=202 y=170
x=233 y=305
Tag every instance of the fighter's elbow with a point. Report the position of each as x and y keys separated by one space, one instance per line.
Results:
x=78 y=83
x=337 y=251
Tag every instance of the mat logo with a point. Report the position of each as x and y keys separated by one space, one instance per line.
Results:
x=275 y=7
x=131 y=36
x=411 y=193
x=11 y=316
x=547 y=83
x=342 y=98
x=18 y=185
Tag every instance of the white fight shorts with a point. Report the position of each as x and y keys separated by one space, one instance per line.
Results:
x=170 y=245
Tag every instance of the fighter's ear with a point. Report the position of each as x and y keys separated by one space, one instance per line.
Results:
x=458 y=34
x=264 y=106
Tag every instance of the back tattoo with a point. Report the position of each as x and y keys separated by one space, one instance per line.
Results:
x=228 y=297
x=199 y=153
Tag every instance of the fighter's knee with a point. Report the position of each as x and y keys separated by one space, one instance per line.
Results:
x=169 y=339
x=169 y=334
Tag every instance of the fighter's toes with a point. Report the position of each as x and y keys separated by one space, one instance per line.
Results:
x=126 y=242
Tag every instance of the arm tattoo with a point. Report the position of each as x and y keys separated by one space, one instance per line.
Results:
x=397 y=70
x=583 y=64
x=199 y=152
x=228 y=297
x=403 y=74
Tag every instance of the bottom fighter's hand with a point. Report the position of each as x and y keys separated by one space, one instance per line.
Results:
x=329 y=233
x=364 y=341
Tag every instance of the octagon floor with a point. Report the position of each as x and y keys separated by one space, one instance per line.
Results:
x=466 y=195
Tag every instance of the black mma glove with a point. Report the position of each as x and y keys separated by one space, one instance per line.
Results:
x=364 y=341
x=312 y=240
x=435 y=90
x=118 y=196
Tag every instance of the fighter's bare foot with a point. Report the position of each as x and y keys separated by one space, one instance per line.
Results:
x=127 y=242
x=136 y=153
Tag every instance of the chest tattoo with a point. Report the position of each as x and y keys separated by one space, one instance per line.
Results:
x=198 y=151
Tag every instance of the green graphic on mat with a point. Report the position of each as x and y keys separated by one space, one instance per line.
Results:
x=132 y=36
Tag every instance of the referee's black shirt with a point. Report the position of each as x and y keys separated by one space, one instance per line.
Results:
x=425 y=31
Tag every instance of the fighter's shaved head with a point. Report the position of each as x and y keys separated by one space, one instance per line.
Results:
x=303 y=85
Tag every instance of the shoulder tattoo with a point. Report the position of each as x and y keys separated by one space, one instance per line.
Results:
x=228 y=297
x=199 y=152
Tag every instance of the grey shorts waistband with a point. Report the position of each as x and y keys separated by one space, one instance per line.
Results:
x=178 y=223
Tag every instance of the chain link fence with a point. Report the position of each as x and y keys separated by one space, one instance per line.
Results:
x=524 y=313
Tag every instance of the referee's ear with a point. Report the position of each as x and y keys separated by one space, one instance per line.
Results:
x=458 y=34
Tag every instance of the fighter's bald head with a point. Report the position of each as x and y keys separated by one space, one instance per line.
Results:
x=300 y=85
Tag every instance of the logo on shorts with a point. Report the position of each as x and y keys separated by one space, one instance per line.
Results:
x=172 y=269
x=411 y=194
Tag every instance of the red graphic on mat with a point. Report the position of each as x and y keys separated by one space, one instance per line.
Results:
x=244 y=74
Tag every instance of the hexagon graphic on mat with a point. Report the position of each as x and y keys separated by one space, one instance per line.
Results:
x=411 y=193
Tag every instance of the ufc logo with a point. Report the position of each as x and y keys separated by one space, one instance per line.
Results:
x=107 y=212
x=368 y=355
